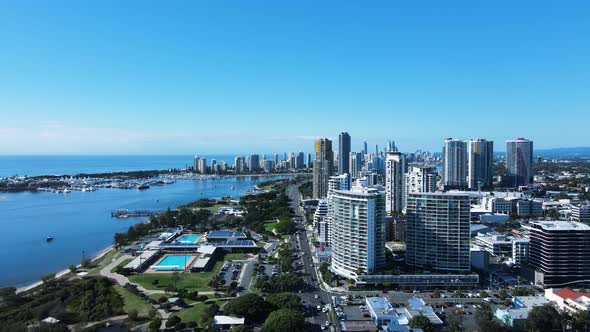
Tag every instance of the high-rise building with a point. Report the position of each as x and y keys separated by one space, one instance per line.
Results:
x=300 y=160
x=323 y=166
x=355 y=165
x=437 y=233
x=365 y=150
x=276 y=159
x=196 y=164
x=203 y=165
x=336 y=182
x=239 y=164
x=254 y=163
x=343 y=153
x=519 y=162
x=291 y=160
x=480 y=164
x=358 y=232
x=395 y=169
x=320 y=221
x=309 y=161
x=455 y=164
x=213 y=166
x=559 y=251
x=420 y=179
x=223 y=166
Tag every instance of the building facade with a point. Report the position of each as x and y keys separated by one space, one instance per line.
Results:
x=343 y=153
x=356 y=164
x=395 y=170
x=519 y=162
x=559 y=252
x=455 y=164
x=323 y=166
x=420 y=179
x=480 y=168
x=358 y=232
x=437 y=231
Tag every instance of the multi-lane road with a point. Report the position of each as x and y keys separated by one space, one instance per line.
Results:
x=313 y=296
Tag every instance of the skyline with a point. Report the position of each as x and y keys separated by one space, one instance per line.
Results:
x=147 y=80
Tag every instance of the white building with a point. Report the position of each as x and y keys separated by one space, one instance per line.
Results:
x=437 y=231
x=520 y=251
x=581 y=213
x=419 y=179
x=455 y=164
x=496 y=244
x=357 y=235
x=568 y=300
x=395 y=168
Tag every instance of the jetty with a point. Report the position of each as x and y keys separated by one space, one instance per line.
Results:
x=124 y=213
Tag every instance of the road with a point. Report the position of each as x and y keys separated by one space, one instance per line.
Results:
x=303 y=264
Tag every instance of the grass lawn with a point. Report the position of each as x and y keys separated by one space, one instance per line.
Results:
x=260 y=244
x=188 y=280
x=270 y=226
x=236 y=257
x=133 y=301
x=195 y=312
x=103 y=261
x=123 y=263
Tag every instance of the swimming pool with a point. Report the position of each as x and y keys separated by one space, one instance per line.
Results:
x=188 y=238
x=173 y=263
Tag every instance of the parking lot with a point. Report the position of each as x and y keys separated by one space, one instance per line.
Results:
x=230 y=271
x=268 y=270
x=353 y=312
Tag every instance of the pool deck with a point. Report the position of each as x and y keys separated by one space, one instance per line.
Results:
x=188 y=264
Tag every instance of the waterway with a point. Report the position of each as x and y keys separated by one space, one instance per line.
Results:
x=81 y=223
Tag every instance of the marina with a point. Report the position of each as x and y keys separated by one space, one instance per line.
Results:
x=81 y=221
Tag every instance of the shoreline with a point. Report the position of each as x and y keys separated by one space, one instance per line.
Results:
x=62 y=273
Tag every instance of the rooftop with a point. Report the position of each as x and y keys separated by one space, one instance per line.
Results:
x=560 y=225
x=226 y=234
x=227 y=320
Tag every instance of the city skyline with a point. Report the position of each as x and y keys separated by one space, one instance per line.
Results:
x=161 y=80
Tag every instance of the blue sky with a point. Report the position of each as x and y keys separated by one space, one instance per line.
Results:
x=245 y=76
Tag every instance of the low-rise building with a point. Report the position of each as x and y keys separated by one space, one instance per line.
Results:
x=496 y=244
x=225 y=323
x=516 y=315
x=568 y=300
x=581 y=213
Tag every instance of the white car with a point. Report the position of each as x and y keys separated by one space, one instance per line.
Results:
x=327 y=323
x=323 y=327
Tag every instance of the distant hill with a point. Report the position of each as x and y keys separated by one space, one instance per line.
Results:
x=564 y=152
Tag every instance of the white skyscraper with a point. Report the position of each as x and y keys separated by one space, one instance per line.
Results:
x=437 y=231
x=395 y=168
x=420 y=179
x=358 y=232
x=336 y=182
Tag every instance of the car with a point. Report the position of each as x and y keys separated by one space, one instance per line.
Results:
x=316 y=296
x=323 y=327
x=327 y=323
x=324 y=309
x=366 y=314
x=319 y=308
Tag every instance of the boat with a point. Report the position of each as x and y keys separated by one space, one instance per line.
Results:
x=143 y=187
x=49 y=239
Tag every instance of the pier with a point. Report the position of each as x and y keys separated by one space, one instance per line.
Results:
x=124 y=213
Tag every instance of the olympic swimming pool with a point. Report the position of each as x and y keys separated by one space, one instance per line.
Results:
x=173 y=263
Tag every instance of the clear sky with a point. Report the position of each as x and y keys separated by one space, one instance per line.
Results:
x=101 y=77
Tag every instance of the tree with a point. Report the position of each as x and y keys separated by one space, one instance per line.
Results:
x=483 y=313
x=133 y=314
x=284 y=320
x=48 y=277
x=175 y=278
x=503 y=294
x=483 y=294
x=543 y=318
x=455 y=321
x=581 y=320
x=155 y=325
x=216 y=281
x=436 y=294
x=458 y=294
x=284 y=301
x=250 y=306
x=421 y=322
x=173 y=321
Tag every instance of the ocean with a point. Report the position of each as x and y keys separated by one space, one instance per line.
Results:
x=81 y=222
x=69 y=165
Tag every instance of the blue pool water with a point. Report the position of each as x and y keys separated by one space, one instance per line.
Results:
x=188 y=238
x=172 y=263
